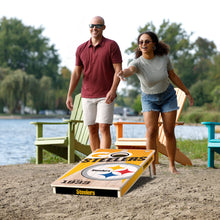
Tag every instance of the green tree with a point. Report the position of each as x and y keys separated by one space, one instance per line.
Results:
x=176 y=37
x=205 y=89
x=204 y=52
x=4 y=72
x=214 y=69
x=137 y=104
x=120 y=100
x=216 y=96
x=24 y=47
x=204 y=49
x=62 y=87
x=184 y=69
x=201 y=92
x=14 y=90
x=33 y=93
x=46 y=95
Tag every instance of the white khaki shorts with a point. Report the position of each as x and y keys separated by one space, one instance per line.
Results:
x=95 y=110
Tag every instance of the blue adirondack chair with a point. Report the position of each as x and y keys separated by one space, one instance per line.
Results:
x=73 y=146
x=213 y=143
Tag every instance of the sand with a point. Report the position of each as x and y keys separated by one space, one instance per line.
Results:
x=25 y=193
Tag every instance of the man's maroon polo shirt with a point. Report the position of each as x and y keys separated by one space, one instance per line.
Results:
x=97 y=62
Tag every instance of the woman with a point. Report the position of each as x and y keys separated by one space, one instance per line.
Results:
x=154 y=70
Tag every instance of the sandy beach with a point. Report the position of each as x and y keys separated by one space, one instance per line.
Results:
x=26 y=193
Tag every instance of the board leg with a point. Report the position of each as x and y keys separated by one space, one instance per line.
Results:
x=54 y=190
x=151 y=171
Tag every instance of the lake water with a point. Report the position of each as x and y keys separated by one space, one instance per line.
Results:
x=17 y=137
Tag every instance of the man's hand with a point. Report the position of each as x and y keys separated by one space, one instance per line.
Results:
x=110 y=97
x=69 y=103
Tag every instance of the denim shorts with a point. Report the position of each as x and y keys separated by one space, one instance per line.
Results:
x=162 y=102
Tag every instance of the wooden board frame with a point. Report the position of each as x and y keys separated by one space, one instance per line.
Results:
x=106 y=172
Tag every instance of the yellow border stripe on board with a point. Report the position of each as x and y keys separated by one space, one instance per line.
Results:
x=135 y=177
x=131 y=181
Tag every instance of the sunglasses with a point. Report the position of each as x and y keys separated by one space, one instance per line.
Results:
x=96 y=25
x=145 y=41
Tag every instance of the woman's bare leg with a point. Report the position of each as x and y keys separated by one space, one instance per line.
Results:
x=151 y=122
x=169 y=119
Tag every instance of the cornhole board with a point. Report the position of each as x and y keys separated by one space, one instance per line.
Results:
x=105 y=172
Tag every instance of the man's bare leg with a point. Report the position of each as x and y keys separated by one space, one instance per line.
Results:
x=105 y=136
x=94 y=140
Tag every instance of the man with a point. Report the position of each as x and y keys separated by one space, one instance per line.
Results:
x=100 y=60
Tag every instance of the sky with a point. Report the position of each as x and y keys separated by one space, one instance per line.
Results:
x=65 y=22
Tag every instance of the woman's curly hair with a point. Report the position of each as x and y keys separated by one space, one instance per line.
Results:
x=160 y=47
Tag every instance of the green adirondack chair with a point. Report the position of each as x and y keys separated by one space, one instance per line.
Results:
x=72 y=147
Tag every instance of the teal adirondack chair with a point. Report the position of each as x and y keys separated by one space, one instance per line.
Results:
x=213 y=143
x=72 y=147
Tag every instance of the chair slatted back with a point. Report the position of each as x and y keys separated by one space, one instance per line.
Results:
x=81 y=131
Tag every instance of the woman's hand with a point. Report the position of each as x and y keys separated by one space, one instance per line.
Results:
x=126 y=72
x=121 y=75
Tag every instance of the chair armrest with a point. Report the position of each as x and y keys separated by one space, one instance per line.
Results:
x=75 y=121
x=180 y=123
x=211 y=128
x=119 y=126
x=39 y=126
x=210 y=123
x=47 y=123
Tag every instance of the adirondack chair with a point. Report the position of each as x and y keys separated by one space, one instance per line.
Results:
x=140 y=143
x=213 y=143
x=73 y=146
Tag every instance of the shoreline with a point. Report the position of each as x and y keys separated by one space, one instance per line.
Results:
x=31 y=116
x=130 y=118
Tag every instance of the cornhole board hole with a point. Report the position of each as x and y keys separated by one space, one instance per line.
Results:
x=105 y=172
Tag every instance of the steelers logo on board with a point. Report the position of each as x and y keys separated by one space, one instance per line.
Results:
x=111 y=171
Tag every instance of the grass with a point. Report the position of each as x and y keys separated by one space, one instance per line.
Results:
x=198 y=114
x=194 y=149
x=49 y=158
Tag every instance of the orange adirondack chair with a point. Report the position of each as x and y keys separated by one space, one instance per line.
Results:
x=140 y=143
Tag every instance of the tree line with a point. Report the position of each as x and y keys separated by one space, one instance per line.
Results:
x=30 y=72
